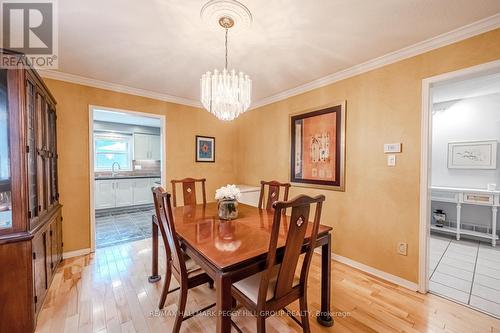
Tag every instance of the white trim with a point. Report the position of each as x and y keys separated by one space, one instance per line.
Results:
x=467 y=31
x=376 y=272
x=77 y=79
x=163 y=126
x=423 y=236
x=425 y=158
x=76 y=253
x=91 y=179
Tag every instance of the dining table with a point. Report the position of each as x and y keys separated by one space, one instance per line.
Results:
x=230 y=251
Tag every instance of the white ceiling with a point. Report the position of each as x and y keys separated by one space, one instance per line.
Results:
x=468 y=88
x=162 y=45
x=125 y=118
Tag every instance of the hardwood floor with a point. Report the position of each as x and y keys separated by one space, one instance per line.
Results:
x=108 y=292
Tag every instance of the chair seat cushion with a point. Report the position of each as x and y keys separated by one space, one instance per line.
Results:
x=250 y=286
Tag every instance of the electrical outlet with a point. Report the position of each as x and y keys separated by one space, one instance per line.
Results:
x=403 y=248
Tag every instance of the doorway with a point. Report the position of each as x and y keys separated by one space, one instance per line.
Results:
x=127 y=160
x=460 y=187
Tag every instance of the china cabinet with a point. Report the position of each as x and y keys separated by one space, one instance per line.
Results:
x=30 y=213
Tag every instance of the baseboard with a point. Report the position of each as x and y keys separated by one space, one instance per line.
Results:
x=376 y=272
x=76 y=253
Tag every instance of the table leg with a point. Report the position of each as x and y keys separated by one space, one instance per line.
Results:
x=155 y=277
x=224 y=304
x=324 y=317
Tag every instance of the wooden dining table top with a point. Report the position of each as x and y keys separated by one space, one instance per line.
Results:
x=228 y=243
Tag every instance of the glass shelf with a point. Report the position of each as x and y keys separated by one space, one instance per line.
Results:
x=5 y=175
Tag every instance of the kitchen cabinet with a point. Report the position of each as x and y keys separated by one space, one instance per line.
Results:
x=142 y=191
x=155 y=147
x=114 y=193
x=124 y=192
x=147 y=147
x=104 y=194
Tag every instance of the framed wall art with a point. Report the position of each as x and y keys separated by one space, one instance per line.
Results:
x=317 y=144
x=472 y=155
x=205 y=149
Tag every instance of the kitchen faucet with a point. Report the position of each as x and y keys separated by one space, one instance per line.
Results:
x=113 y=172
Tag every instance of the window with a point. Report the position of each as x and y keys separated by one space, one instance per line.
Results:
x=111 y=148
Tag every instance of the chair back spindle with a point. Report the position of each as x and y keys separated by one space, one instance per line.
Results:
x=188 y=191
x=273 y=193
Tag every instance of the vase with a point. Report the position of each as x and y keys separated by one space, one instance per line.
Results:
x=228 y=209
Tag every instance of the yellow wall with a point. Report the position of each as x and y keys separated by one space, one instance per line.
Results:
x=183 y=123
x=381 y=204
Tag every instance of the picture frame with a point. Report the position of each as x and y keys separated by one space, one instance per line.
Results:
x=205 y=149
x=317 y=147
x=473 y=155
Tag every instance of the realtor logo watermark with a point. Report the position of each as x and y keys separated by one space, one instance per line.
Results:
x=30 y=28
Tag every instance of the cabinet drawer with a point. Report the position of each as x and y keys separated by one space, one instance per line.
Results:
x=479 y=199
x=444 y=196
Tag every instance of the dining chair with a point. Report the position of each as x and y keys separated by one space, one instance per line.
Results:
x=279 y=285
x=188 y=190
x=273 y=193
x=183 y=268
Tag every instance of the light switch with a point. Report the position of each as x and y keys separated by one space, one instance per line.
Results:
x=392 y=147
x=391 y=160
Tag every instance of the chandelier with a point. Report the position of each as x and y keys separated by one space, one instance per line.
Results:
x=226 y=94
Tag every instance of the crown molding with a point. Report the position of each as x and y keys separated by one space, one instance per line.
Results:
x=72 y=78
x=467 y=31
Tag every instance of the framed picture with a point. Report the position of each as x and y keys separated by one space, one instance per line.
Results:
x=472 y=155
x=317 y=154
x=205 y=149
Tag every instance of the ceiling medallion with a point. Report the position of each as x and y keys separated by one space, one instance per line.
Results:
x=226 y=94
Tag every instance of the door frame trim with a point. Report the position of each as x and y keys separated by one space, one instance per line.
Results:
x=163 y=131
x=425 y=158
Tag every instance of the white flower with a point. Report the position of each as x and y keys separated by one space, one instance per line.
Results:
x=229 y=192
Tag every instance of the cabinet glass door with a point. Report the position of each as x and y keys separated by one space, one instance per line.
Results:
x=32 y=151
x=5 y=174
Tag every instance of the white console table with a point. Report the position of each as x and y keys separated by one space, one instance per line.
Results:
x=460 y=196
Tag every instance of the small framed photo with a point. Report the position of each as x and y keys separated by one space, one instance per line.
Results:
x=472 y=155
x=205 y=149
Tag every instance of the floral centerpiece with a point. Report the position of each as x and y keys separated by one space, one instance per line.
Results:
x=228 y=197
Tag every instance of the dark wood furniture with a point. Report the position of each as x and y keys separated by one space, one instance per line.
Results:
x=273 y=193
x=229 y=251
x=186 y=272
x=278 y=285
x=30 y=213
x=188 y=191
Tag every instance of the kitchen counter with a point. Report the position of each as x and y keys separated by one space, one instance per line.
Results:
x=125 y=177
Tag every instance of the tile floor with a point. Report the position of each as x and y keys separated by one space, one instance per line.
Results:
x=119 y=227
x=466 y=271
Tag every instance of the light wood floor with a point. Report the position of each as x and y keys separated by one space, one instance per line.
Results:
x=108 y=292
